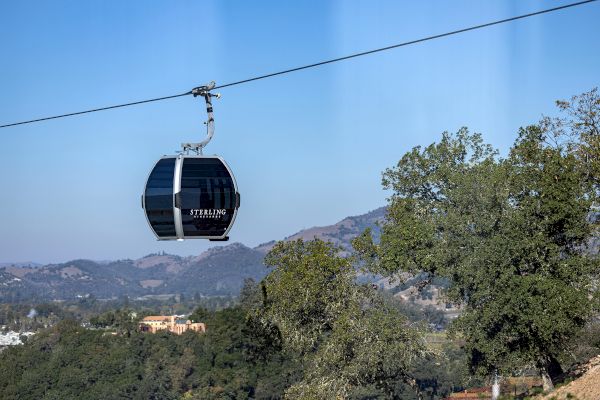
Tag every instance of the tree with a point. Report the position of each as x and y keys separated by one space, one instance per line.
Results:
x=506 y=233
x=347 y=337
x=374 y=347
x=579 y=130
x=249 y=294
x=309 y=288
x=68 y=361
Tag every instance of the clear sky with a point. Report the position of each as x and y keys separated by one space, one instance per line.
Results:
x=307 y=148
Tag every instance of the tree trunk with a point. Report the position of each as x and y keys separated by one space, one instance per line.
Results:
x=495 y=388
x=554 y=368
x=547 y=384
x=415 y=387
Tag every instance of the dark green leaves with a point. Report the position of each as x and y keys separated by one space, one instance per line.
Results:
x=509 y=235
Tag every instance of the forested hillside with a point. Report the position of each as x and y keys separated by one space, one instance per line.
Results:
x=233 y=360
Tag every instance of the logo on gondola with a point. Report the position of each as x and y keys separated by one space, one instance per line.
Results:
x=201 y=213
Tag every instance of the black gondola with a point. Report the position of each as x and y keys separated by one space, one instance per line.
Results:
x=192 y=196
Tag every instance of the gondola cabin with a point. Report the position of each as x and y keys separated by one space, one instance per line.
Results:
x=191 y=197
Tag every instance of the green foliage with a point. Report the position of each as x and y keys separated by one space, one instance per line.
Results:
x=25 y=317
x=507 y=233
x=586 y=345
x=308 y=290
x=124 y=320
x=579 y=130
x=363 y=350
x=71 y=362
x=372 y=348
x=250 y=295
x=347 y=336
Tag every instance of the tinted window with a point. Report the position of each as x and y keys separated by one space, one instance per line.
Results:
x=207 y=197
x=159 y=198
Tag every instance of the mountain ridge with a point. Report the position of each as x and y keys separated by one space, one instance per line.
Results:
x=217 y=271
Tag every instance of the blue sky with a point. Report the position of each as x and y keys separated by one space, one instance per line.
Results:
x=307 y=148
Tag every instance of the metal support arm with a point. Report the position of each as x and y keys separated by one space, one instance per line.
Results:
x=204 y=91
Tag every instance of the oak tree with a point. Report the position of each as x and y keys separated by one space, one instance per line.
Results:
x=507 y=234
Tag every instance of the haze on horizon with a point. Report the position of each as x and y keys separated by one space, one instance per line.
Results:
x=307 y=148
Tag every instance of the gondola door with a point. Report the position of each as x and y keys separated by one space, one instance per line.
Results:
x=208 y=197
x=157 y=199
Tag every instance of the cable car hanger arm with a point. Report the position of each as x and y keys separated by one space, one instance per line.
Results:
x=204 y=91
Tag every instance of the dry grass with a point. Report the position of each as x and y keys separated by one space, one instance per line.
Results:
x=586 y=387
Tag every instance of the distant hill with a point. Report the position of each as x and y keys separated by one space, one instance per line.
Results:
x=340 y=233
x=218 y=271
x=27 y=264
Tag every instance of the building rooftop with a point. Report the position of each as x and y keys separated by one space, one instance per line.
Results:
x=157 y=318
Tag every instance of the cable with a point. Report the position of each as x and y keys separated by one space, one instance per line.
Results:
x=97 y=109
x=425 y=39
x=287 y=71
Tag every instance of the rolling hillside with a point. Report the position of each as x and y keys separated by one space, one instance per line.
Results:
x=218 y=271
